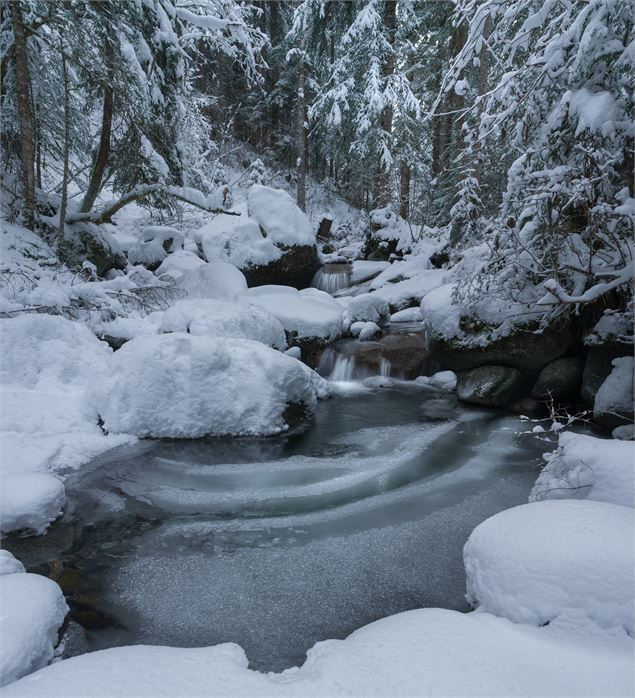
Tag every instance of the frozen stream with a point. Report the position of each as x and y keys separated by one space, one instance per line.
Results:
x=278 y=543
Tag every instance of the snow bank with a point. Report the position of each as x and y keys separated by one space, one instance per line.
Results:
x=213 y=280
x=8 y=564
x=210 y=318
x=429 y=652
x=561 y=559
x=306 y=313
x=30 y=501
x=33 y=609
x=279 y=216
x=179 y=263
x=182 y=386
x=364 y=270
x=585 y=467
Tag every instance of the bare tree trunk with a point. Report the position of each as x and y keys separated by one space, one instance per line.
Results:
x=23 y=84
x=66 y=147
x=404 y=197
x=382 y=177
x=303 y=134
x=101 y=158
x=482 y=88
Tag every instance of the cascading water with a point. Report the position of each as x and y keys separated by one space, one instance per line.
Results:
x=338 y=365
x=333 y=277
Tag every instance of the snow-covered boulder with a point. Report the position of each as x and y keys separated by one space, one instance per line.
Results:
x=308 y=316
x=93 y=243
x=367 y=307
x=30 y=501
x=217 y=280
x=613 y=405
x=184 y=386
x=177 y=264
x=555 y=560
x=585 y=467
x=445 y=380
x=407 y=315
x=428 y=652
x=365 y=330
x=211 y=318
x=46 y=350
x=8 y=564
x=33 y=610
x=279 y=216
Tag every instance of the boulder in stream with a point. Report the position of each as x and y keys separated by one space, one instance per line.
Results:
x=494 y=386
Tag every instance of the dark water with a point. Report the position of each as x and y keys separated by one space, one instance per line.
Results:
x=278 y=543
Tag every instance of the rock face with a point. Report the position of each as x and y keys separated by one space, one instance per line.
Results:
x=407 y=354
x=494 y=386
x=559 y=379
x=523 y=349
x=296 y=268
x=598 y=366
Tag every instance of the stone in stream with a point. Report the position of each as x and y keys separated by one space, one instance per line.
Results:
x=559 y=379
x=296 y=267
x=493 y=386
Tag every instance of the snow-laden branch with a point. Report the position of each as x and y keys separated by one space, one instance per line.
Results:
x=194 y=197
x=556 y=295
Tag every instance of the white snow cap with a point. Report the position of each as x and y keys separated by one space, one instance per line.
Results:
x=211 y=318
x=564 y=560
x=30 y=501
x=279 y=216
x=33 y=609
x=213 y=280
x=182 y=386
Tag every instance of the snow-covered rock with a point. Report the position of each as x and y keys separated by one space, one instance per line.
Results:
x=184 y=386
x=367 y=307
x=33 y=609
x=279 y=216
x=211 y=318
x=614 y=400
x=217 y=280
x=309 y=313
x=407 y=315
x=179 y=263
x=585 y=467
x=429 y=652
x=30 y=501
x=8 y=564
x=566 y=560
x=364 y=270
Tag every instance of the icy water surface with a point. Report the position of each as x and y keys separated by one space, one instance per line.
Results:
x=278 y=543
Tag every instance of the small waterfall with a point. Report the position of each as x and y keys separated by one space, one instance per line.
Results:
x=338 y=366
x=333 y=277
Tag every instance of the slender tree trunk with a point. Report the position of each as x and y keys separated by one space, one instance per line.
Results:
x=27 y=141
x=66 y=148
x=382 y=177
x=482 y=88
x=101 y=158
x=404 y=197
x=302 y=137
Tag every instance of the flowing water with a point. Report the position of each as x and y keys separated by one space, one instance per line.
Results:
x=333 y=277
x=278 y=543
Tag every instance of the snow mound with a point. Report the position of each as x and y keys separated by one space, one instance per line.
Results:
x=183 y=386
x=560 y=559
x=446 y=380
x=407 y=315
x=33 y=609
x=367 y=307
x=615 y=395
x=306 y=313
x=44 y=350
x=237 y=240
x=8 y=564
x=585 y=467
x=428 y=652
x=179 y=263
x=213 y=280
x=279 y=216
x=30 y=501
x=210 y=318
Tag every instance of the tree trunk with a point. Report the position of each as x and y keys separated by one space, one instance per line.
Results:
x=404 y=197
x=482 y=88
x=101 y=158
x=302 y=137
x=23 y=85
x=382 y=177
x=66 y=148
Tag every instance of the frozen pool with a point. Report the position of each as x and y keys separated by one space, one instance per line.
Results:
x=278 y=543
